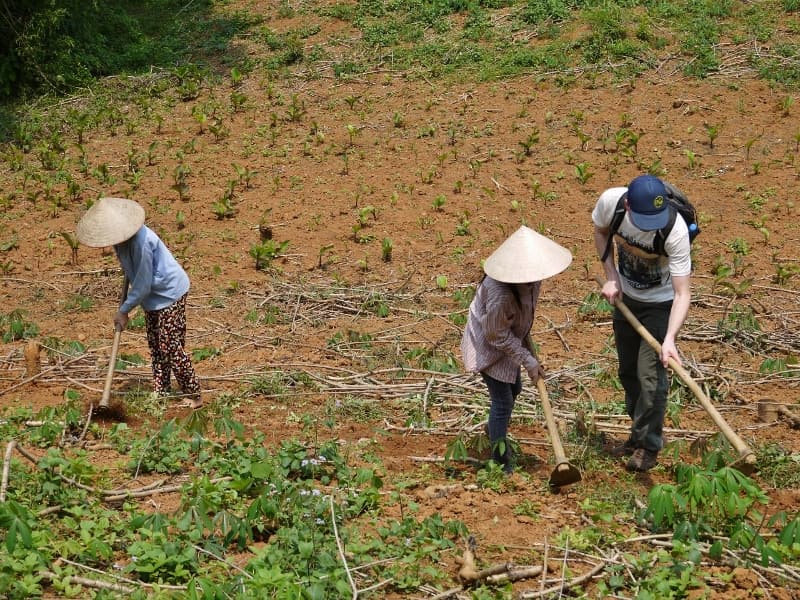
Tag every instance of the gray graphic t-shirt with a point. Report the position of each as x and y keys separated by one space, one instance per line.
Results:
x=645 y=275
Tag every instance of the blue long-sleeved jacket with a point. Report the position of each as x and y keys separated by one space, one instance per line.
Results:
x=156 y=278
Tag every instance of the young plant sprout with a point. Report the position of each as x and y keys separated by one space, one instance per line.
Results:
x=712 y=131
x=73 y=244
x=180 y=175
x=323 y=252
x=386 y=249
x=583 y=172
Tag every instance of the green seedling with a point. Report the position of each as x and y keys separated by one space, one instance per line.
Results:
x=219 y=130
x=204 y=353
x=267 y=251
x=324 y=251
x=462 y=228
x=352 y=132
x=296 y=109
x=245 y=175
x=73 y=243
x=180 y=175
x=236 y=76
x=11 y=244
x=14 y=326
x=351 y=100
x=387 y=246
x=238 y=101
x=583 y=137
x=583 y=172
x=712 y=131
x=691 y=157
x=529 y=142
x=784 y=272
x=103 y=174
x=364 y=214
x=786 y=104
x=151 y=153
x=200 y=115
x=748 y=145
x=223 y=208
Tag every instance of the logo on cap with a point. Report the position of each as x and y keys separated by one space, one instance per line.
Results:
x=658 y=202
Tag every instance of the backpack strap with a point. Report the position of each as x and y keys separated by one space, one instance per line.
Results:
x=662 y=234
x=616 y=221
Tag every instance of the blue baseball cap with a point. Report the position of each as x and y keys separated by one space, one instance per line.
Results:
x=647 y=203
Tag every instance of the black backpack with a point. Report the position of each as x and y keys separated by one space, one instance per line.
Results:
x=678 y=203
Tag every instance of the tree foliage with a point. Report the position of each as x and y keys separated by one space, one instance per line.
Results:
x=56 y=45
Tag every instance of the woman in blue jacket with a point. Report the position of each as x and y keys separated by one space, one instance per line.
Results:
x=157 y=283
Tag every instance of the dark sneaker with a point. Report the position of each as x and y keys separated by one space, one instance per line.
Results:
x=625 y=449
x=642 y=460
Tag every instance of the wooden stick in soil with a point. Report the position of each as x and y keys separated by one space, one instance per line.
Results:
x=39 y=375
x=794 y=420
x=559 y=589
x=6 y=467
x=747 y=459
x=341 y=550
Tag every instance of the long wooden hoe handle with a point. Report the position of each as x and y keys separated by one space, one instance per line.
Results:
x=745 y=453
x=112 y=360
x=105 y=398
x=565 y=473
x=552 y=429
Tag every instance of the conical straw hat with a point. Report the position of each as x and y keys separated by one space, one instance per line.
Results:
x=110 y=221
x=527 y=256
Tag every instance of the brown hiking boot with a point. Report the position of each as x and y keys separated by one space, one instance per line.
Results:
x=642 y=460
x=619 y=450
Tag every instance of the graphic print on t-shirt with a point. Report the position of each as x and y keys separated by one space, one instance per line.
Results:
x=640 y=267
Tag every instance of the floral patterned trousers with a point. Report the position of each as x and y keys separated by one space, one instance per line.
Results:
x=166 y=337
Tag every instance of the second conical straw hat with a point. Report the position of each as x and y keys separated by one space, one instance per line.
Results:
x=527 y=256
x=110 y=221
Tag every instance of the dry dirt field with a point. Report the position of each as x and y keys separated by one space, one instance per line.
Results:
x=334 y=167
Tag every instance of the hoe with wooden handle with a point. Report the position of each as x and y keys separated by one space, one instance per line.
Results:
x=103 y=407
x=564 y=472
x=747 y=459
